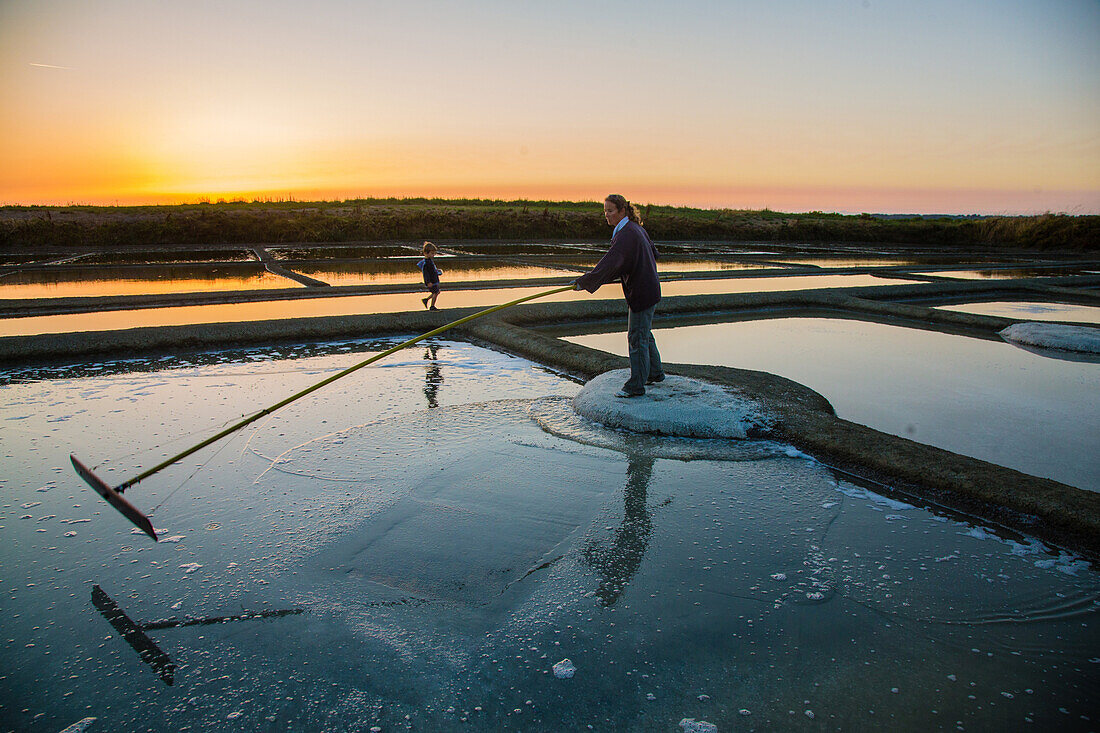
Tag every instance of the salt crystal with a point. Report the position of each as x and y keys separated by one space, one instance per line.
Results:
x=564 y=669
x=80 y=726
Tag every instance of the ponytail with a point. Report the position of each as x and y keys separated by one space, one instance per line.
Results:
x=621 y=203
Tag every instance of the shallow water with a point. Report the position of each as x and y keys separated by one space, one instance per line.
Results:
x=521 y=249
x=76 y=283
x=447 y=551
x=773 y=284
x=1031 y=311
x=299 y=252
x=395 y=303
x=673 y=264
x=1008 y=273
x=272 y=310
x=985 y=399
x=405 y=271
x=165 y=256
x=878 y=261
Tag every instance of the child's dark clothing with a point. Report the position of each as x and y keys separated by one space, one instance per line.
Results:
x=431 y=275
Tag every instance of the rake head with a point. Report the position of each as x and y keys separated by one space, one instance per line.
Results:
x=114 y=498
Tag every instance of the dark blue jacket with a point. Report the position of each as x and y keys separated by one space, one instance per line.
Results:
x=633 y=258
x=431 y=275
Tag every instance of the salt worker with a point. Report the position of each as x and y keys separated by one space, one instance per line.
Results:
x=633 y=259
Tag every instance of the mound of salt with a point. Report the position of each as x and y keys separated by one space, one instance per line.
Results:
x=1054 y=336
x=679 y=407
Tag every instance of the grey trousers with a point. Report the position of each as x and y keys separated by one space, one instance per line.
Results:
x=645 y=360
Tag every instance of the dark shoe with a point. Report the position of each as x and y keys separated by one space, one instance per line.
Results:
x=625 y=395
x=425 y=301
x=654 y=380
x=433 y=308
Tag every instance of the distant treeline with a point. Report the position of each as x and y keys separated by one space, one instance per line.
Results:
x=415 y=219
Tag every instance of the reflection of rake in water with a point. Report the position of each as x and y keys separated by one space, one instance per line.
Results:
x=134 y=634
x=114 y=495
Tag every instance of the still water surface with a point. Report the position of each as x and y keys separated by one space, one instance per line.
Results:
x=985 y=399
x=1031 y=311
x=405 y=271
x=76 y=283
x=395 y=303
x=446 y=552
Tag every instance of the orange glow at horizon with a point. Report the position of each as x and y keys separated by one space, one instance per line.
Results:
x=867 y=109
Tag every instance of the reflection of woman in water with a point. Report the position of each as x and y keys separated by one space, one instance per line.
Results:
x=618 y=563
x=433 y=378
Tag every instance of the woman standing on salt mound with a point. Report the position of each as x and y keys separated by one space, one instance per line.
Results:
x=633 y=258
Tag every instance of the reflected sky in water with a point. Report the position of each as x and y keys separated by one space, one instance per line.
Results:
x=773 y=284
x=406 y=272
x=1013 y=273
x=446 y=552
x=985 y=399
x=1031 y=311
x=61 y=283
x=875 y=261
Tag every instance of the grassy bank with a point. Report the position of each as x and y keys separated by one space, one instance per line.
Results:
x=40 y=227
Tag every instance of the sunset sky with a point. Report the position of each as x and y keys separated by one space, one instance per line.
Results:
x=953 y=106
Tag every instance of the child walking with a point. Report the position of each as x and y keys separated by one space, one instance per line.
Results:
x=431 y=274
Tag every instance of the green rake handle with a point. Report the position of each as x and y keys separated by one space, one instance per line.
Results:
x=268 y=410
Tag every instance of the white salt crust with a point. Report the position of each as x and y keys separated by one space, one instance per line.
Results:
x=678 y=406
x=1084 y=339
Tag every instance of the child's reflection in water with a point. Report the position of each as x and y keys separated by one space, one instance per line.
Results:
x=433 y=377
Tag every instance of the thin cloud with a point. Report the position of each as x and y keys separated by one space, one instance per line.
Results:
x=51 y=66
